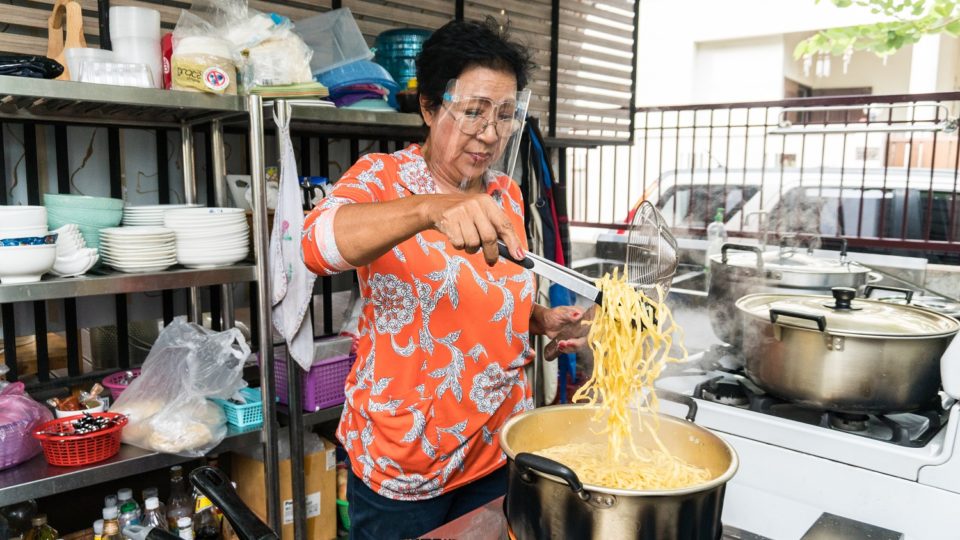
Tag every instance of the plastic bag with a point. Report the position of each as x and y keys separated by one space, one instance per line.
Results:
x=38 y=67
x=19 y=417
x=168 y=406
x=279 y=61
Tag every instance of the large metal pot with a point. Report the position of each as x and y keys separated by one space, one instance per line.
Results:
x=546 y=500
x=841 y=354
x=739 y=270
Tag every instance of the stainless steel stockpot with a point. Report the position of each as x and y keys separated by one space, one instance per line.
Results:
x=739 y=270
x=546 y=500
x=843 y=354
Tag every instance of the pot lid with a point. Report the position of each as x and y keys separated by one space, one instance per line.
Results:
x=792 y=261
x=842 y=314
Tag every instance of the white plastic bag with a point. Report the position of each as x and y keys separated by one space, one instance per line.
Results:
x=168 y=406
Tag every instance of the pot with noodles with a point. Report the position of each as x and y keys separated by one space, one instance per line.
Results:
x=609 y=466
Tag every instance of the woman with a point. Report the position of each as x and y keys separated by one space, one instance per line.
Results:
x=445 y=324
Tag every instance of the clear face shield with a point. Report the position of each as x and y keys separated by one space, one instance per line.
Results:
x=478 y=131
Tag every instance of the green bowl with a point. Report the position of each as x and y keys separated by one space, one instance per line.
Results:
x=342 y=511
x=56 y=200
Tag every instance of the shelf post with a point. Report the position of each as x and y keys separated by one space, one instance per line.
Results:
x=261 y=240
x=195 y=304
x=219 y=157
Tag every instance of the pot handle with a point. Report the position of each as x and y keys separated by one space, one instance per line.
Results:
x=870 y=288
x=819 y=319
x=681 y=399
x=742 y=247
x=526 y=462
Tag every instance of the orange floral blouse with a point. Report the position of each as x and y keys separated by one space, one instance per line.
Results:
x=444 y=339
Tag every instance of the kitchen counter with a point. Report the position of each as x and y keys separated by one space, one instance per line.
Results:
x=489 y=523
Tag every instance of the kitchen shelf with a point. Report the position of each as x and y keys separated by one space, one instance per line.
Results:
x=310 y=419
x=308 y=116
x=43 y=100
x=36 y=478
x=110 y=282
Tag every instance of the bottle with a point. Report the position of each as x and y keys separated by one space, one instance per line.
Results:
x=110 y=501
x=40 y=530
x=126 y=495
x=111 y=526
x=180 y=503
x=154 y=492
x=185 y=528
x=129 y=514
x=716 y=237
x=98 y=529
x=153 y=516
x=205 y=523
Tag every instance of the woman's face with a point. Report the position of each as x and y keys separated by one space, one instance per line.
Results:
x=457 y=156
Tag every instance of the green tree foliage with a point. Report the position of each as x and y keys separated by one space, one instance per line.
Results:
x=910 y=20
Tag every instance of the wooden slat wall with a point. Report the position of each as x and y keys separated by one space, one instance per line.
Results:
x=594 y=101
x=594 y=90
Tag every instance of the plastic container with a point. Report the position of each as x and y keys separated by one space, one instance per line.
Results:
x=248 y=414
x=359 y=72
x=114 y=384
x=135 y=37
x=78 y=450
x=322 y=386
x=203 y=64
x=334 y=38
x=397 y=51
x=77 y=56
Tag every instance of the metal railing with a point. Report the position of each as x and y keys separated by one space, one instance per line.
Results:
x=879 y=171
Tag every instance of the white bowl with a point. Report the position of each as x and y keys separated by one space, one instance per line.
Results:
x=26 y=264
x=23 y=216
x=23 y=232
x=68 y=414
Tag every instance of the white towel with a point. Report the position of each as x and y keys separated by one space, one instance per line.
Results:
x=291 y=283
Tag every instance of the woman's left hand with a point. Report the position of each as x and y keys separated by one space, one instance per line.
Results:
x=567 y=326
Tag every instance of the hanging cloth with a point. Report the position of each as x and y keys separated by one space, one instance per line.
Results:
x=291 y=284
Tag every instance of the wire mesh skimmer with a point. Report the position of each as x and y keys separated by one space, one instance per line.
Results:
x=651 y=259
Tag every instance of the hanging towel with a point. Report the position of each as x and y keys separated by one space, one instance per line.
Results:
x=291 y=284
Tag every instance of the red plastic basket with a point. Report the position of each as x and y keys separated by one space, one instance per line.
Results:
x=112 y=382
x=77 y=450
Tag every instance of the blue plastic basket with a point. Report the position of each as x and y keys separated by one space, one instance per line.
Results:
x=397 y=51
x=360 y=72
x=246 y=415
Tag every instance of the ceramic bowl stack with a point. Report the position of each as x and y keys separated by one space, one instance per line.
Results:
x=22 y=221
x=151 y=215
x=138 y=249
x=27 y=252
x=74 y=258
x=209 y=237
x=90 y=214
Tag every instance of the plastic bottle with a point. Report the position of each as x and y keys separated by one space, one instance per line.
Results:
x=206 y=526
x=40 y=530
x=716 y=237
x=129 y=514
x=98 y=529
x=153 y=516
x=154 y=492
x=111 y=526
x=185 y=528
x=124 y=496
x=110 y=501
x=180 y=504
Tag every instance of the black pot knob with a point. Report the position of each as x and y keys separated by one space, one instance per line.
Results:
x=843 y=296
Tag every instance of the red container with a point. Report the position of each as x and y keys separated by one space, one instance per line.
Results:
x=112 y=382
x=79 y=450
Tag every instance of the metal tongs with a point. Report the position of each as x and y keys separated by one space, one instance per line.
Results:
x=561 y=275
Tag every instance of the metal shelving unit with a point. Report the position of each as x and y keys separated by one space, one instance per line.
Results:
x=110 y=282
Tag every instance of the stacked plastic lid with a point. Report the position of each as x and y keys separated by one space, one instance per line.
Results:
x=209 y=237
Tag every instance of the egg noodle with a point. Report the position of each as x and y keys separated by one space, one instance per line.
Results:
x=631 y=339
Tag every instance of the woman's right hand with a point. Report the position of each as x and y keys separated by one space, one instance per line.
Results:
x=473 y=222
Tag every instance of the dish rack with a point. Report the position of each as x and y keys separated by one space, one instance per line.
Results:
x=243 y=415
x=78 y=450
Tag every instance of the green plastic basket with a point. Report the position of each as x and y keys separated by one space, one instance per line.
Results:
x=342 y=511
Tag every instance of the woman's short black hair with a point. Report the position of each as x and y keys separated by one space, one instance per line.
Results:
x=458 y=45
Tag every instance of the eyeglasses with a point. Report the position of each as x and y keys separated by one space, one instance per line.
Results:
x=473 y=115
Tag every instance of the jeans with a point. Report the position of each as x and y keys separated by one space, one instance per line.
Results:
x=375 y=517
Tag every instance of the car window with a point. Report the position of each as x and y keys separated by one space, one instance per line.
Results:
x=694 y=206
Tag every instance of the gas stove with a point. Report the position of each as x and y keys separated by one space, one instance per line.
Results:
x=900 y=472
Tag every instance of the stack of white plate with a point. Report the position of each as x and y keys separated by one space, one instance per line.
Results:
x=151 y=215
x=138 y=249
x=209 y=237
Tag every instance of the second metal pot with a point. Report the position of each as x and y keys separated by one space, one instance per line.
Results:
x=841 y=354
x=739 y=270
x=546 y=500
